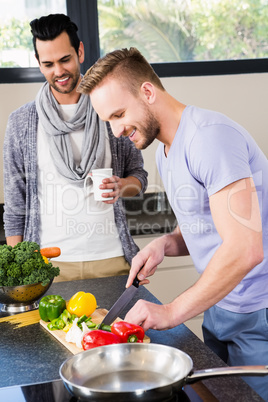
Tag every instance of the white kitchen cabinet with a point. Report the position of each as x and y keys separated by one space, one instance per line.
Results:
x=173 y=276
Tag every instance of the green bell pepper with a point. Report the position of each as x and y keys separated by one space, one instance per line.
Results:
x=51 y=307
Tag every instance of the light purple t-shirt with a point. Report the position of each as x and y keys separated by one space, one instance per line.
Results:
x=209 y=152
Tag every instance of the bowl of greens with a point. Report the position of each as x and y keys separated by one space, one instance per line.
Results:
x=25 y=276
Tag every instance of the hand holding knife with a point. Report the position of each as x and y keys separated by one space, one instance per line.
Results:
x=121 y=303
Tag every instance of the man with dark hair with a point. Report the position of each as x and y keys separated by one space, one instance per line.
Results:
x=51 y=145
x=216 y=179
x=49 y=27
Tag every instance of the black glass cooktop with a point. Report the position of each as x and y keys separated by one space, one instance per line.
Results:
x=55 y=391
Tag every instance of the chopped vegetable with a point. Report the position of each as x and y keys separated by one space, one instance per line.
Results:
x=67 y=327
x=104 y=327
x=51 y=307
x=56 y=324
x=50 y=252
x=128 y=332
x=75 y=334
x=82 y=303
x=23 y=264
x=66 y=317
x=95 y=338
x=90 y=324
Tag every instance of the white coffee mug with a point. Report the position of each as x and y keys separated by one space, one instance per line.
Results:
x=96 y=176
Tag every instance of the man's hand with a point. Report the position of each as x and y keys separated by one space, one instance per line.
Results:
x=147 y=259
x=112 y=183
x=126 y=187
x=152 y=255
x=150 y=315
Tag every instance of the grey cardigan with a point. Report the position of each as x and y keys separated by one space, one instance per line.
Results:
x=21 y=209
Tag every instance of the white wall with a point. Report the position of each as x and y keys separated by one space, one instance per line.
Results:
x=243 y=97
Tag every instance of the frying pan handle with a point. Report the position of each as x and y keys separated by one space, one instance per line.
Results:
x=225 y=371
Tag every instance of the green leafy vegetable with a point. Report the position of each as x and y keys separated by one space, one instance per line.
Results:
x=23 y=264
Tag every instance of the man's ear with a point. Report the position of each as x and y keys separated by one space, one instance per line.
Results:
x=81 y=53
x=148 y=92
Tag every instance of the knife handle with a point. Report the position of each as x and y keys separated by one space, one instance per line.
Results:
x=136 y=282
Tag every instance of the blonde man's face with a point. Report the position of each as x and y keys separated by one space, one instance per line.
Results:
x=127 y=114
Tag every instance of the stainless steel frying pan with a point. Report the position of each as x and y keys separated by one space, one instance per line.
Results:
x=137 y=372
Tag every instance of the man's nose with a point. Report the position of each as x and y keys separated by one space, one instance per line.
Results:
x=117 y=129
x=59 y=70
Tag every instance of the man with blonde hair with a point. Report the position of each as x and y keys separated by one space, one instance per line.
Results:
x=216 y=179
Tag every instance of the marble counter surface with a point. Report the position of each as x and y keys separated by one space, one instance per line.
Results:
x=31 y=355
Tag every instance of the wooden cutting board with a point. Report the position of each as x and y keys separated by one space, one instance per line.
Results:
x=97 y=318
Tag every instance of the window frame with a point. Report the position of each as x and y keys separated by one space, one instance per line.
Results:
x=85 y=14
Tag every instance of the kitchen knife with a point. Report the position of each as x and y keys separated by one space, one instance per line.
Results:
x=121 y=303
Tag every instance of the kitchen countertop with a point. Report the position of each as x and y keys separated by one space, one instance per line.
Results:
x=30 y=355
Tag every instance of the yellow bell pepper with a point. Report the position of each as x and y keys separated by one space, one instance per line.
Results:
x=82 y=303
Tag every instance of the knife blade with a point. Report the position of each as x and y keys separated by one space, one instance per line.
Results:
x=120 y=304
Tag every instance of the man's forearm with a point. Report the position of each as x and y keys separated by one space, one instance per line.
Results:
x=130 y=186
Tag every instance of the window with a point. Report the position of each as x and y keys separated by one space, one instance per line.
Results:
x=179 y=37
x=16 y=49
x=186 y=30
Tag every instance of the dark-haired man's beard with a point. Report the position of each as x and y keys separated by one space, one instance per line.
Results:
x=149 y=130
x=74 y=78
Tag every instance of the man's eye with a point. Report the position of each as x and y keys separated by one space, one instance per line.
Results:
x=119 y=115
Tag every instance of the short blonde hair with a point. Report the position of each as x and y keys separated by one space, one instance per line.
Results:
x=126 y=64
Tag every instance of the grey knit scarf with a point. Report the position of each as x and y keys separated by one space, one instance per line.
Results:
x=93 y=145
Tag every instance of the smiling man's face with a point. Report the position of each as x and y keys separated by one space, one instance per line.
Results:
x=60 y=63
x=127 y=114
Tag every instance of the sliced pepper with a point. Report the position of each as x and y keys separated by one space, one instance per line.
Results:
x=95 y=338
x=58 y=323
x=104 y=327
x=66 y=316
x=128 y=332
x=67 y=327
x=51 y=307
x=90 y=324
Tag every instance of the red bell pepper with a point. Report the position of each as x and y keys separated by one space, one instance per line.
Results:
x=95 y=338
x=128 y=332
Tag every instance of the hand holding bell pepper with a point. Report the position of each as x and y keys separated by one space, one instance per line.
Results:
x=95 y=338
x=51 y=307
x=128 y=332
